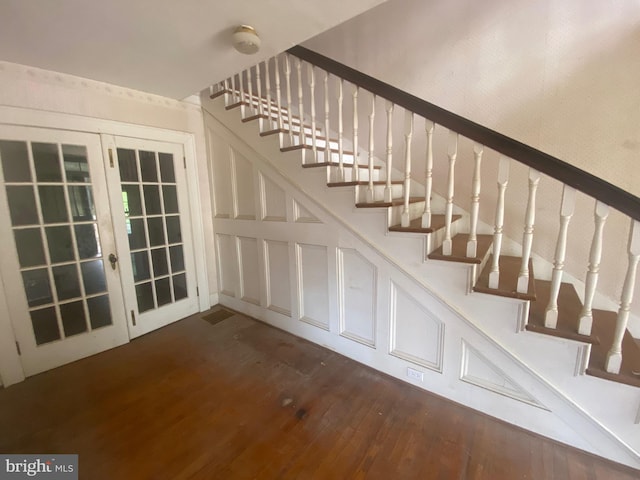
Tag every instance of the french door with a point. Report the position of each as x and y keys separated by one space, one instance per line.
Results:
x=95 y=239
x=56 y=233
x=152 y=223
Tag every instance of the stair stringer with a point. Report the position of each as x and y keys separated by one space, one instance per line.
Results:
x=492 y=324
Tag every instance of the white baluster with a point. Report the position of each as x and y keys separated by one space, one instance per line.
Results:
x=226 y=89
x=287 y=76
x=601 y=212
x=428 y=180
x=355 y=171
x=300 y=104
x=405 y=220
x=278 y=95
x=260 y=103
x=327 y=146
x=242 y=94
x=447 y=245
x=503 y=180
x=472 y=243
x=388 y=192
x=372 y=115
x=267 y=85
x=250 y=85
x=312 y=94
x=566 y=212
x=527 y=236
x=340 y=147
x=234 y=92
x=614 y=355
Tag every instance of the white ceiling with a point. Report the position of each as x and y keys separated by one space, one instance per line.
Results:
x=168 y=47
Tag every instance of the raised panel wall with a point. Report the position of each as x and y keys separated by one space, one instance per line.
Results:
x=227 y=264
x=278 y=284
x=273 y=201
x=243 y=187
x=357 y=280
x=249 y=264
x=313 y=287
x=222 y=192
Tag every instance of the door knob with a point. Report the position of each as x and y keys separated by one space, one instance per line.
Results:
x=113 y=259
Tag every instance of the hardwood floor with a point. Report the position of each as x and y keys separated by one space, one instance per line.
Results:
x=234 y=398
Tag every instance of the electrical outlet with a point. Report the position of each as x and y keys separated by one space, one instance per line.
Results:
x=415 y=374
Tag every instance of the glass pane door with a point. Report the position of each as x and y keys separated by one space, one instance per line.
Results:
x=54 y=263
x=148 y=189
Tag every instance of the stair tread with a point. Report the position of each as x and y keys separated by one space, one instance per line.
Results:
x=292 y=148
x=603 y=326
x=393 y=203
x=219 y=93
x=569 y=308
x=508 y=280
x=336 y=164
x=415 y=226
x=362 y=183
x=294 y=120
x=459 y=249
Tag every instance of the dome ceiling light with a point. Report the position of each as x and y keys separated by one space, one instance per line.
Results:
x=246 y=40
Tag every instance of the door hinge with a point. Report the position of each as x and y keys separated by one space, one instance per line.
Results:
x=133 y=318
x=184 y=162
x=197 y=291
x=111 y=157
x=18 y=348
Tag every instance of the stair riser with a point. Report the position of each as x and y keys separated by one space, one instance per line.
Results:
x=395 y=212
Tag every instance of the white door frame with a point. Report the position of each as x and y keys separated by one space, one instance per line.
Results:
x=10 y=365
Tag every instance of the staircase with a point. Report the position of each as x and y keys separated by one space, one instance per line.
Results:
x=554 y=303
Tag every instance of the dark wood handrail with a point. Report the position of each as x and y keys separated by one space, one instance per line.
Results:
x=579 y=179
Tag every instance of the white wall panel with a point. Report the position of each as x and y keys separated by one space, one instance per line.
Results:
x=273 y=201
x=277 y=276
x=357 y=280
x=220 y=153
x=302 y=215
x=227 y=264
x=249 y=265
x=313 y=278
x=243 y=187
x=417 y=335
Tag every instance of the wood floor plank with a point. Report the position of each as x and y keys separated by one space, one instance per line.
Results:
x=239 y=399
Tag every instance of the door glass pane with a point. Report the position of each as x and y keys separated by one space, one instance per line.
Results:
x=60 y=244
x=73 y=319
x=156 y=231
x=76 y=165
x=177 y=259
x=144 y=294
x=67 y=282
x=170 y=198
x=140 y=264
x=36 y=286
x=68 y=255
x=131 y=200
x=173 y=229
x=127 y=165
x=137 y=235
x=163 y=291
x=47 y=162
x=152 y=200
x=45 y=325
x=180 y=286
x=93 y=277
x=81 y=201
x=22 y=205
x=29 y=246
x=88 y=240
x=166 y=168
x=99 y=311
x=53 y=204
x=148 y=166
x=159 y=260
x=15 y=161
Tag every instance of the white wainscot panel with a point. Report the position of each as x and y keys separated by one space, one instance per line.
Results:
x=273 y=201
x=478 y=370
x=227 y=264
x=249 y=266
x=417 y=335
x=244 y=200
x=313 y=277
x=277 y=276
x=357 y=277
x=302 y=215
x=220 y=154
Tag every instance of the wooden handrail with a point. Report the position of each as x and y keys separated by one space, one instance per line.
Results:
x=593 y=186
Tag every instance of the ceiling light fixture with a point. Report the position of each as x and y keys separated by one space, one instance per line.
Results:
x=246 y=40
